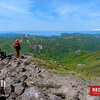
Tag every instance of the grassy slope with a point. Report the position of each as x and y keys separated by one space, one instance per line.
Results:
x=84 y=65
x=87 y=64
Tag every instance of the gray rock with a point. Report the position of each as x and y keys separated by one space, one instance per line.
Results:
x=26 y=63
x=1 y=65
x=19 y=89
x=12 y=96
x=7 y=90
x=88 y=97
x=22 y=57
x=31 y=94
x=28 y=81
x=67 y=92
x=28 y=55
x=9 y=57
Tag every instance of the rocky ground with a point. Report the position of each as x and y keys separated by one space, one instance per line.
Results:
x=27 y=81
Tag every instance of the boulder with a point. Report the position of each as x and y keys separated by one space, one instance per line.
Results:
x=7 y=90
x=31 y=93
x=28 y=55
x=66 y=92
x=12 y=96
x=26 y=63
x=19 y=89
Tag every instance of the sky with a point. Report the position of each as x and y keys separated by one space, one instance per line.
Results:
x=52 y=15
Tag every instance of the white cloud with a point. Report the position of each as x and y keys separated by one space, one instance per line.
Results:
x=73 y=12
x=15 y=10
x=18 y=6
x=96 y=29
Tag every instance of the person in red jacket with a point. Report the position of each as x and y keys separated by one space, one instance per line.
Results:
x=17 y=48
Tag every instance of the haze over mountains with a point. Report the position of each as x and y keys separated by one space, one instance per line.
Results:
x=43 y=33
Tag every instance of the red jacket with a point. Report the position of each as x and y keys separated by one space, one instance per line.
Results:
x=17 y=45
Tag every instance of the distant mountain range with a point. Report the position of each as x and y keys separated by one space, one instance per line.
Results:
x=54 y=45
x=70 y=51
x=44 y=33
x=9 y=34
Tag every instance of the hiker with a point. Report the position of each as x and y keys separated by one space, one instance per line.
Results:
x=17 y=48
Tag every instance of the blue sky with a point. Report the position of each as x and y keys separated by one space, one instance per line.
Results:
x=59 y=15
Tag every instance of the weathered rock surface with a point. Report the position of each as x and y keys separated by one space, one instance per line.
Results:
x=27 y=81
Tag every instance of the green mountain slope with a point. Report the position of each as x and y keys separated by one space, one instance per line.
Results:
x=81 y=64
x=85 y=62
x=54 y=46
x=73 y=52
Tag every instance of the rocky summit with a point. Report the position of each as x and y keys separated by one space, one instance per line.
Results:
x=24 y=80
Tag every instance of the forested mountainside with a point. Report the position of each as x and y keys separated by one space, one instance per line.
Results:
x=74 y=52
x=55 y=46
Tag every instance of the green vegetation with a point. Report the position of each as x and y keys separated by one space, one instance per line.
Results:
x=42 y=63
x=54 y=47
x=65 y=54
x=81 y=72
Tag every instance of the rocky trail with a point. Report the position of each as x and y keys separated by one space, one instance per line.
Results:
x=27 y=81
